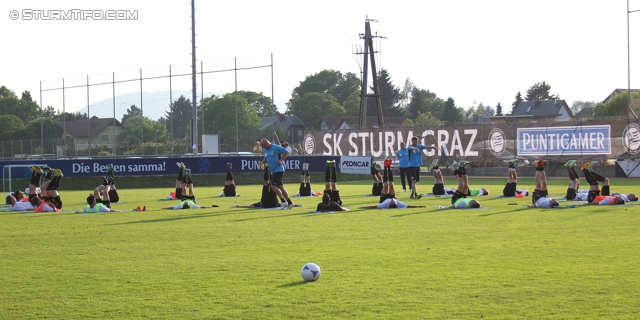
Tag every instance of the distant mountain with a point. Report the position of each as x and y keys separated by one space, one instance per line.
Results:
x=154 y=104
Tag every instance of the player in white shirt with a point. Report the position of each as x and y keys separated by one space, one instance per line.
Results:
x=15 y=205
x=540 y=197
x=388 y=198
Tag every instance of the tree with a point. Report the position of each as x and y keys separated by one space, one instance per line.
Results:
x=178 y=118
x=405 y=94
x=66 y=116
x=24 y=108
x=132 y=112
x=153 y=131
x=407 y=123
x=221 y=118
x=352 y=104
x=427 y=119
x=332 y=82
x=389 y=95
x=479 y=110
x=263 y=105
x=435 y=106
x=515 y=104
x=310 y=107
x=415 y=107
x=540 y=91
x=618 y=105
x=9 y=124
x=498 y=110
x=579 y=105
x=451 y=113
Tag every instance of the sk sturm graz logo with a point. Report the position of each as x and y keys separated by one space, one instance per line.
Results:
x=497 y=143
x=631 y=138
x=309 y=144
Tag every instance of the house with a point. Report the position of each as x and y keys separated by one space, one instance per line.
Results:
x=95 y=132
x=535 y=111
x=290 y=125
x=618 y=91
x=333 y=123
x=584 y=113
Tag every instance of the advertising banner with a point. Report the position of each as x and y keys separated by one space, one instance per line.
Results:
x=578 y=140
x=355 y=165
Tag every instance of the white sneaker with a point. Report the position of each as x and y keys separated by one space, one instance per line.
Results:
x=404 y=190
x=290 y=206
x=283 y=206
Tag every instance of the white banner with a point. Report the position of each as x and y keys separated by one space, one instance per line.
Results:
x=355 y=165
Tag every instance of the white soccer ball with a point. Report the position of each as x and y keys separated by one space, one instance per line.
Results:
x=310 y=272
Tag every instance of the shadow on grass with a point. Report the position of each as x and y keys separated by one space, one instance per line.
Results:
x=292 y=284
x=168 y=219
x=274 y=216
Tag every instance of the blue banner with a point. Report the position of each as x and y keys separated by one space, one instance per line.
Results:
x=578 y=140
x=162 y=166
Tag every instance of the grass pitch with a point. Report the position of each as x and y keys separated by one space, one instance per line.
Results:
x=499 y=262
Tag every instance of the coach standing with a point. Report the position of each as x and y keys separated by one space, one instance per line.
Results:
x=415 y=162
x=275 y=155
x=403 y=164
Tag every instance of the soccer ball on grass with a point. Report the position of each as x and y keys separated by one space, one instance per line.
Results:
x=310 y=272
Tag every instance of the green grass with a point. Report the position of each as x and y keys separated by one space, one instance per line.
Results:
x=504 y=262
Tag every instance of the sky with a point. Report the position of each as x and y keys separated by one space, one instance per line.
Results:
x=472 y=51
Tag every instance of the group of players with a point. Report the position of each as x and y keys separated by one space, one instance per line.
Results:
x=410 y=161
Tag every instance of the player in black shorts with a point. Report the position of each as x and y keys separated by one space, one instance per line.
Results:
x=305 y=181
x=511 y=185
x=572 y=190
x=438 y=184
x=376 y=190
x=330 y=179
x=229 y=183
x=269 y=198
x=463 y=182
x=184 y=183
x=328 y=205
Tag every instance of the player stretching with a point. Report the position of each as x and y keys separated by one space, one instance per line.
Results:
x=459 y=199
x=388 y=198
x=510 y=188
x=415 y=162
x=229 y=183
x=305 y=181
x=268 y=199
x=540 y=196
x=595 y=197
x=275 y=155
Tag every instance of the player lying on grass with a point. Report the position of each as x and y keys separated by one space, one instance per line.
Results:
x=510 y=189
x=229 y=183
x=388 y=198
x=438 y=183
x=376 y=189
x=184 y=183
x=305 y=182
x=17 y=196
x=572 y=190
x=459 y=199
x=595 y=195
x=331 y=199
x=102 y=194
x=48 y=200
x=110 y=180
x=540 y=196
x=269 y=198
x=186 y=204
x=94 y=207
x=15 y=205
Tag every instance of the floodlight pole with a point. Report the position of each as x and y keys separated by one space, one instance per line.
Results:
x=194 y=111
x=629 y=64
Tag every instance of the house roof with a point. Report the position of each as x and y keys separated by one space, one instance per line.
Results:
x=332 y=122
x=282 y=121
x=584 y=113
x=617 y=91
x=548 y=108
x=80 y=128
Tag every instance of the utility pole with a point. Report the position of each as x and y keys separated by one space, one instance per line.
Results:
x=194 y=111
x=369 y=54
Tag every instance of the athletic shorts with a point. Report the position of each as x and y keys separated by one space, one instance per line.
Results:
x=537 y=194
x=414 y=173
x=571 y=194
x=257 y=205
x=405 y=172
x=456 y=196
x=178 y=193
x=438 y=189
x=376 y=190
x=335 y=196
x=305 y=192
x=509 y=189
x=276 y=178
x=386 y=196
x=230 y=190
x=113 y=196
